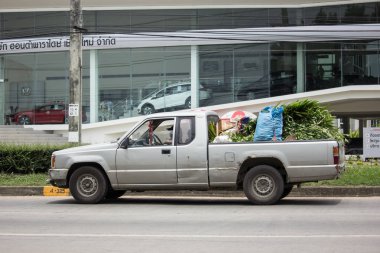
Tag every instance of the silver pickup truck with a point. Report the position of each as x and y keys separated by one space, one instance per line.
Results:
x=171 y=151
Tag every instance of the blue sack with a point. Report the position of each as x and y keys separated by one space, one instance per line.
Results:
x=269 y=124
x=277 y=117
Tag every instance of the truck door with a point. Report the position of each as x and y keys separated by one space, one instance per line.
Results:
x=151 y=156
x=192 y=166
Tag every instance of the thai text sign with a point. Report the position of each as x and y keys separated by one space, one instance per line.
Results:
x=371 y=142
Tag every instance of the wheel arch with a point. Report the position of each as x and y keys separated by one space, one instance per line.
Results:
x=253 y=162
x=76 y=166
x=188 y=99
x=147 y=104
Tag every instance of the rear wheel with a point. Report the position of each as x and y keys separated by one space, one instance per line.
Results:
x=147 y=109
x=88 y=185
x=188 y=103
x=263 y=185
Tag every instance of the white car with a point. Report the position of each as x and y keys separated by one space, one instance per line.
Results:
x=174 y=96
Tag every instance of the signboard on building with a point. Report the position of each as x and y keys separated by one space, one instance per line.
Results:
x=371 y=142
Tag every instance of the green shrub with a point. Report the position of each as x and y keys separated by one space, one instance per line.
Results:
x=25 y=159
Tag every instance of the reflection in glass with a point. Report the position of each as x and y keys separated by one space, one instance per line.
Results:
x=360 y=63
x=143 y=81
x=35 y=81
x=323 y=65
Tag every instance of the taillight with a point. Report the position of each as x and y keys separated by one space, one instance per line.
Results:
x=336 y=154
x=53 y=161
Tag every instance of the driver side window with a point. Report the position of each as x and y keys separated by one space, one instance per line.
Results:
x=157 y=132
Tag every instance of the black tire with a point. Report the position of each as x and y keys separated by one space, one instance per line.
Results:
x=188 y=103
x=24 y=120
x=287 y=189
x=114 y=194
x=88 y=185
x=263 y=185
x=147 y=109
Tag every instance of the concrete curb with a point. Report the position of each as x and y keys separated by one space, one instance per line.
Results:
x=360 y=191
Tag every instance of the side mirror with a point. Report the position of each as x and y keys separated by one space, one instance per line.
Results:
x=124 y=144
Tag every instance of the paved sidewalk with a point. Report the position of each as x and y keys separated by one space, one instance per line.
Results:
x=363 y=191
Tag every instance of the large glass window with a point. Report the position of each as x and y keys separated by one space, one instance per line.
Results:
x=143 y=81
x=323 y=65
x=283 y=69
x=18 y=25
x=324 y=15
x=251 y=69
x=246 y=72
x=359 y=13
x=32 y=82
x=360 y=63
x=337 y=64
x=285 y=17
x=85 y=86
x=216 y=73
x=161 y=20
x=114 y=84
x=36 y=24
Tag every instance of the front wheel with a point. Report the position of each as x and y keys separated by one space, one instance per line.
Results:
x=114 y=194
x=24 y=120
x=88 y=185
x=263 y=185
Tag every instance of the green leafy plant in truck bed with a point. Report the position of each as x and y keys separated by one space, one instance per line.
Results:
x=303 y=120
x=308 y=120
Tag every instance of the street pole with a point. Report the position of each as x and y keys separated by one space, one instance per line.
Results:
x=75 y=106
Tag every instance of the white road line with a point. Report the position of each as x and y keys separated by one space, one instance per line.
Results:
x=189 y=236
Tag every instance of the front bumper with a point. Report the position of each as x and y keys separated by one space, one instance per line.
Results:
x=58 y=177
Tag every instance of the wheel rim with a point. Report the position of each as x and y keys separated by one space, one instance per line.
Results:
x=263 y=185
x=24 y=120
x=147 y=110
x=87 y=185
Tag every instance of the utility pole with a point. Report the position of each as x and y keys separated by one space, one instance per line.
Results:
x=75 y=106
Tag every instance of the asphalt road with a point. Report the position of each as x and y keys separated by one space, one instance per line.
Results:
x=153 y=224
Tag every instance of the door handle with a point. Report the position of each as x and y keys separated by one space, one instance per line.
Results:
x=165 y=151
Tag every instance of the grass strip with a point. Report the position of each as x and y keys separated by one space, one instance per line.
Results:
x=38 y=179
x=355 y=175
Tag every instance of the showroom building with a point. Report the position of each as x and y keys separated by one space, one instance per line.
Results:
x=142 y=57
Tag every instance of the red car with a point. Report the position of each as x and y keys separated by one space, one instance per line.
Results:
x=45 y=114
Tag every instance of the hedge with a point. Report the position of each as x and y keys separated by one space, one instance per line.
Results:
x=26 y=159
